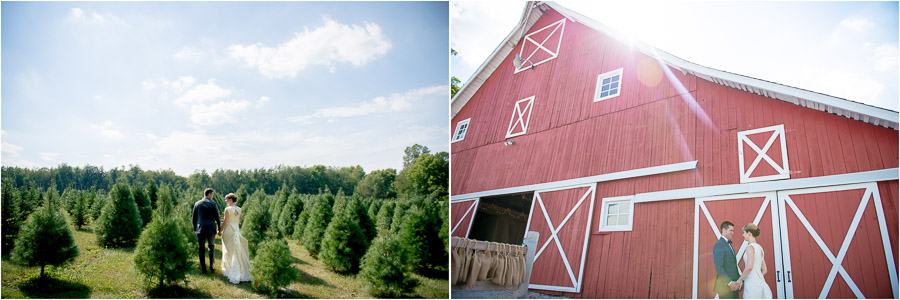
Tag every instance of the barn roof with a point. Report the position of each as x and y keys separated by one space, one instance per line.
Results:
x=534 y=10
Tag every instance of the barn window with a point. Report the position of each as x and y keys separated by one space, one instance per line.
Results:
x=762 y=154
x=502 y=219
x=460 y=133
x=608 y=85
x=616 y=214
x=518 y=123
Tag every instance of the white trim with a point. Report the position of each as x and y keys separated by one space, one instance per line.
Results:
x=562 y=184
x=473 y=206
x=520 y=112
x=777 y=135
x=885 y=239
x=456 y=138
x=686 y=193
x=554 y=230
x=602 y=227
x=600 y=78
x=558 y=25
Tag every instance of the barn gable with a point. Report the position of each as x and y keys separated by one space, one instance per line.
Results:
x=625 y=159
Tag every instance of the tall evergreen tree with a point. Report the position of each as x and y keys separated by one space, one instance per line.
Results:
x=419 y=232
x=45 y=239
x=11 y=202
x=161 y=256
x=119 y=224
x=289 y=213
x=300 y=224
x=258 y=224
x=79 y=212
x=344 y=242
x=143 y=204
x=319 y=216
x=385 y=217
x=152 y=193
x=384 y=269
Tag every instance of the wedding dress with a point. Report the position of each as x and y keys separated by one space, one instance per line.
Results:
x=755 y=286
x=235 y=253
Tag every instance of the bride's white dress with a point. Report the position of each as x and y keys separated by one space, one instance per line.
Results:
x=235 y=253
x=755 y=286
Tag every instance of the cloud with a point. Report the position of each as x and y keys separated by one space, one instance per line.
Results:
x=107 y=129
x=96 y=18
x=190 y=54
x=393 y=103
x=856 y=24
x=327 y=45
x=262 y=100
x=887 y=57
x=151 y=136
x=200 y=93
x=216 y=113
x=49 y=156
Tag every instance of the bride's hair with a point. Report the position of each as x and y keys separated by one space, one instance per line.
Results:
x=752 y=229
x=231 y=196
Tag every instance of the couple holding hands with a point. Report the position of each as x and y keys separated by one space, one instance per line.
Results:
x=728 y=282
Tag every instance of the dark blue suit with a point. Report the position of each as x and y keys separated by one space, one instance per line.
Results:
x=726 y=269
x=206 y=222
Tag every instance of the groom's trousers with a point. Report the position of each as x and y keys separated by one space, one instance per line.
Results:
x=204 y=238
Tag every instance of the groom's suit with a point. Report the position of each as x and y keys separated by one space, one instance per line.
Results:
x=726 y=268
x=206 y=224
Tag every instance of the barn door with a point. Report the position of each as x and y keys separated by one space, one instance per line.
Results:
x=563 y=219
x=709 y=212
x=835 y=243
x=461 y=215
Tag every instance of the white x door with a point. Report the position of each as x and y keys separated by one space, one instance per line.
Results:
x=563 y=219
x=462 y=213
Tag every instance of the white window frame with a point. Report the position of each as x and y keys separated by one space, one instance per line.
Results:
x=520 y=115
x=456 y=136
x=604 y=213
x=557 y=26
x=606 y=75
x=777 y=134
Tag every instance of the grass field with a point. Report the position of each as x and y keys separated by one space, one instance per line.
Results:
x=109 y=273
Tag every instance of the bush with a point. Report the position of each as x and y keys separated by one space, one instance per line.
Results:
x=319 y=217
x=143 y=204
x=344 y=243
x=289 y=213
x=119 y=224
x=161 y=256
x=272 y=265
x=384 y=270
x=45 y=239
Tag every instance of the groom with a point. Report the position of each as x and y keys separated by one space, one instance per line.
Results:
x=726 y=265
x=206 y=225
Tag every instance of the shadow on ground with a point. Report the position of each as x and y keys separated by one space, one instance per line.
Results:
x=435 y=273
x=177 y=291
x=307 y=278
x=48 y=287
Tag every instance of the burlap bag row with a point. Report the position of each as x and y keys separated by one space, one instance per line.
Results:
x=486 y=264
x=500 y=274
x=455 y=265
x=475 y=268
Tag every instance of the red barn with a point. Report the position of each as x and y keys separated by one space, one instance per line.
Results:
x=625 y=159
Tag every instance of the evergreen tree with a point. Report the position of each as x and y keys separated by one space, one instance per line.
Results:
x=11 y=202
x=373 y=208
x=152 y=193
x=161 y=256
x=344 y=242
x=445 y=228
x=143 y=204
x=385 y=216
x=119 y=224
x=97 y=206
x=399 y=215
x=79 y=213
x=300 y=225
x=258 y=224
x=384 y=269
x=363 y=220
x=288 y=217
x=419 y=232
x=272 y=265
x=45 y=239
x=319 y=217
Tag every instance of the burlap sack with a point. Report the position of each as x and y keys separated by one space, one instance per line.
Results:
x=522 y=263
x=455 y=266
x=516 y=279
x=495 y=261
x=475 y=268
x=486 y=263
x=467 y=260
x=500 y=274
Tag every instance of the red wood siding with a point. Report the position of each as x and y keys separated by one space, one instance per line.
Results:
x=461 y=213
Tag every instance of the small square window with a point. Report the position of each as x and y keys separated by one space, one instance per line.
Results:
x=608 y=85
x=616 y=214
x=461 y=128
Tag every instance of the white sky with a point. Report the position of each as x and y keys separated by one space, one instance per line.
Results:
x=208 y=85
x=843 y=49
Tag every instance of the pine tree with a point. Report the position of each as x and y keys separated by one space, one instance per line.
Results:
x=319 y=217
x=45 y=239
x=399 y=215
x=79 y=212
x=385 y=216
x=300 y=225
x=143 y=204
x=258 y=224
x=100 y=201
x=152 y=193
x=344 y=242
x=384 y=269
x=119 y=224
x=288 y=217
x=374 y=206
x=272 y=265
x=363 y=220
x=161 y=256
x=419 y=232
x=11 y=202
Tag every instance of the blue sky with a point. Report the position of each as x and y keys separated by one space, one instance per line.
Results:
x=201 y=85
x=843 y=49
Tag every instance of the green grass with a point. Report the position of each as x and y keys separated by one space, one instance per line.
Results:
x=109 y=273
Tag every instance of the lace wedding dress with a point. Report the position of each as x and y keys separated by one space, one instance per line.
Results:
x=235 y=253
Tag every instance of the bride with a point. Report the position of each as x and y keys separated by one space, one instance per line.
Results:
x=752 y=280
x=235 y=254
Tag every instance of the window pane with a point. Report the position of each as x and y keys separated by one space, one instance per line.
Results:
x=612 y=221
x=624 y=208
x=605 y=88
x=615 y=78
x=613 y=209
x=604 y=94
x=623 y=220
x=606 y=81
